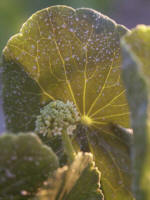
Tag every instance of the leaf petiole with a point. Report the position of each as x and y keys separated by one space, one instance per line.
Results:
x=68 y=147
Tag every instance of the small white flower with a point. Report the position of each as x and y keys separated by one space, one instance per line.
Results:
x=56 y=117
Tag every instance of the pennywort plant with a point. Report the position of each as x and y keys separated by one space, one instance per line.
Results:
x=62 y=80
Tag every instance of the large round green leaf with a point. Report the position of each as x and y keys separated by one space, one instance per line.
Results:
x=75 y=55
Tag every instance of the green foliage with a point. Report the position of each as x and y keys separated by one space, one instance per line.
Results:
x=56 y=144
x=24 y=164
x=74 y=55
x=112 y=157
x=136 y=74
x=21 y=99
x=80 y=180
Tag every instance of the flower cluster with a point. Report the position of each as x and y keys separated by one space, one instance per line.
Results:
x=57 y=117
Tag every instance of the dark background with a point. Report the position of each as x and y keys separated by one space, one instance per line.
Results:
x=13 y=13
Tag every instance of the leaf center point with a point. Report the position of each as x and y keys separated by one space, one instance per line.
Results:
x=86 y=120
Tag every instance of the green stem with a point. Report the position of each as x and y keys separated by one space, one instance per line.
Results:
x=68 y=147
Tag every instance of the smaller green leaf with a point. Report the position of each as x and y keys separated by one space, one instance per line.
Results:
x=136 y=74
x=80 y=180
x=24 y=164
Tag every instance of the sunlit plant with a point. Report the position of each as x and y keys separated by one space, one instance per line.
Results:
x=62 y=80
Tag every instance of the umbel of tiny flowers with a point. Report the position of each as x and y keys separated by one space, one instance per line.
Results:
x=59 y=118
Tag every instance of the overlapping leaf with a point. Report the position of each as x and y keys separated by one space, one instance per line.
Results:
x=24 y=164
x=20 y=94
x=111 y=154
x=75 y=55
x=136 y=64
x=81 y=180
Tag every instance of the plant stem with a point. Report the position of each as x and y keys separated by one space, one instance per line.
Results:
x=68 y=147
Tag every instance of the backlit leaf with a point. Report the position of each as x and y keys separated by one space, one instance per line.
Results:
x=75 y=55
x=136 y=73
x=78 y=181
x=24 y=164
